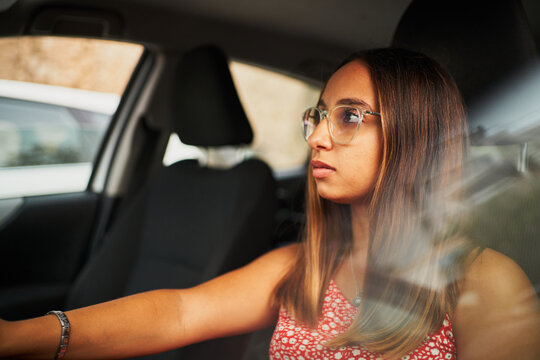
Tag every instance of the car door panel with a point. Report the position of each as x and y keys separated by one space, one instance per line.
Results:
x=44 y=242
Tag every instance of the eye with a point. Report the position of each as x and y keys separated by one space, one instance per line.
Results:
x=314 y=116
x=349 y=115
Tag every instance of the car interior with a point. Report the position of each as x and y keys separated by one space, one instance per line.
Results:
x=140 y=225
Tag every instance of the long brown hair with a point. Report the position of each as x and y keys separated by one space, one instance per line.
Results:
x=415 y=258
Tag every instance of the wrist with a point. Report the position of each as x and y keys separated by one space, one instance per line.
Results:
x=64 y=335
x=29 y=339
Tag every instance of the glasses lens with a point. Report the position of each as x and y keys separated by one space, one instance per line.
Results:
x=311 y=118
x=344 y=121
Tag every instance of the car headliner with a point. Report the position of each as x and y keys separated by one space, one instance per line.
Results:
x=294 y=36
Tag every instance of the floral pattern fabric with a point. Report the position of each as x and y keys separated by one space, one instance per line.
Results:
x=293 y=341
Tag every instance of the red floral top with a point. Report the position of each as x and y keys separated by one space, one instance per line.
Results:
x=292 y=341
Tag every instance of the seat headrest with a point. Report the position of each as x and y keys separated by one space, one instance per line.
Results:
x=480 y=42
x=206 y=110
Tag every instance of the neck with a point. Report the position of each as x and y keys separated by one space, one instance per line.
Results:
x=360 y=228
x=350 y=276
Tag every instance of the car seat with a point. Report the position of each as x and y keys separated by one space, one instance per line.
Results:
x=190 y=222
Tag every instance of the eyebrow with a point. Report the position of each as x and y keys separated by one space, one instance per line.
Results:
x=348 y=101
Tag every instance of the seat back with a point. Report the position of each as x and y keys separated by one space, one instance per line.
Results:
x=480 y=42
x=189 y=223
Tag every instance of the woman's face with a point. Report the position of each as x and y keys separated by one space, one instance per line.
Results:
x=347 y=173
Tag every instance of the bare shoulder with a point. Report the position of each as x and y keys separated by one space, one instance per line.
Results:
x=280 y=258
x=498 y=312
x=492 y=283
x=495 y=277
x=281 y=254
x=264 y=272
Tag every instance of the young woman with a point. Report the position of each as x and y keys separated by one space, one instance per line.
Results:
x=382 y=272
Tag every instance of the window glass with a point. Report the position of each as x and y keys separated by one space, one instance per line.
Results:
x=57 y=98
x=491 y=170
x=503 y=209
x=273 y=103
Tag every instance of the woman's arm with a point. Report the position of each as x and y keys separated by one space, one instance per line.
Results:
x=160 y=320
x=498 y=313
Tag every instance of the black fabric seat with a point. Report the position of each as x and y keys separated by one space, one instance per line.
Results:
x=190 y=222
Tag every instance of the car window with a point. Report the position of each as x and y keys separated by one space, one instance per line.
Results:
x=273 y=103
x=57 y=98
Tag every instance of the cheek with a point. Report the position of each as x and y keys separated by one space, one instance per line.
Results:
x=368 y=158
x=364 y=174
x=367 y=163
x=358 y=168
x=378 y=155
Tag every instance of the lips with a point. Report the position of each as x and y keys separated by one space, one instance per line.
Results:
x=321 y=169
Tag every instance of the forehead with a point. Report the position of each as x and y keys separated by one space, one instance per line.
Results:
x=351 y=81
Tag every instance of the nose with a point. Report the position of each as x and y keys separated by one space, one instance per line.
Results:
x=320 y=139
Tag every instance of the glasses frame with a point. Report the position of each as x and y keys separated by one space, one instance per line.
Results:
x=328 y=115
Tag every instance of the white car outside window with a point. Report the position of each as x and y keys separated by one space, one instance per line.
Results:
x=49 y=137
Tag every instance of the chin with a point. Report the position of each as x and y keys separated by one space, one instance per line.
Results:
x=335 y=199
x=363 y=200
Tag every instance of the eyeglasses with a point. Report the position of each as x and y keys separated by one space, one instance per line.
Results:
x=343 y=121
